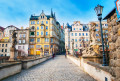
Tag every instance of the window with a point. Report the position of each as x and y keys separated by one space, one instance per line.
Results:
x=41 y=32
x=41 y=17
x=19 y=41
x=38 y=39
x=31 y=46
x=75 y=40
x=23 y=41
x=51 y=46
x=96 y=25
x=83 y=34
x=23 y=47
x=46 y=33
x=46 y=46
x=51 y=40
x=80 y=45
x=72 y=34
x=38 y=46
x=6 y=45
x=98 y=39
x=41 y=22
x=2 y=45
x=86 y=39
x=79 y=39
x=41 y=27
x=20 y=36
x=32 y=40
x=23 y=35
x=5 y=50
x=37 y=22
x=19 y=47
x=2 y=50
x=79 y=34
x=97 y=34
x=75 y=34
x=46 y=22
x=86 y=34
x=46 y=27
x=106 y=24
x=37 y=33
x=74 y=28
x=46 y=39
x=76 y=45
x=96 y=29
x=32 y=22
x=32 y=33
x=38 y=28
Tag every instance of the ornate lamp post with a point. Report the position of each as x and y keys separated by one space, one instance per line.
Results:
x=73 y=46
x=98 y=11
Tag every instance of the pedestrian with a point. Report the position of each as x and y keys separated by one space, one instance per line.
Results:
x=53 y=55
x=65 y=55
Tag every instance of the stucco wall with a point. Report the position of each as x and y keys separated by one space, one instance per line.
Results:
x=96 y=71
x=29 y=63
x=9 y=69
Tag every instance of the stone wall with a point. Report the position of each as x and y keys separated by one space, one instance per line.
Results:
x=29 y=63
x=8 y=69
x=114 y=43
x=97 y=71
x=11 y=68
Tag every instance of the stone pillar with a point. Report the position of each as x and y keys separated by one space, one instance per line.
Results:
x=13 y=51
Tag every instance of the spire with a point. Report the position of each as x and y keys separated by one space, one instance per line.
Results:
x=51 y=13
x=54 y=14
x=42 y=11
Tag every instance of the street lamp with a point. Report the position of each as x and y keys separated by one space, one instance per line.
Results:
x=73 y=46
x=98 y=11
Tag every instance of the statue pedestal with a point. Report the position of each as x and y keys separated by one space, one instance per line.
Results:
x=12 y=54
x=96 y=59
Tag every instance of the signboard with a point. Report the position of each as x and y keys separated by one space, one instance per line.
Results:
x=75 y=49
x=117 y=6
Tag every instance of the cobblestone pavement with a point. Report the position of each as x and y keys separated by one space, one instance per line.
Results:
x=57 y=69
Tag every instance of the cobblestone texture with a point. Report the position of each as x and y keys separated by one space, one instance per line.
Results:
x=57 y=69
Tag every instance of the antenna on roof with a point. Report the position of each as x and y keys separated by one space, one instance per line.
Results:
x=42 y=11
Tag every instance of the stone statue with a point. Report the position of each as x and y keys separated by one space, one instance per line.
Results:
x=14 y=41
x=12 y=49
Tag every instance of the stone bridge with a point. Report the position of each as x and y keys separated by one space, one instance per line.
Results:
x=57 y=69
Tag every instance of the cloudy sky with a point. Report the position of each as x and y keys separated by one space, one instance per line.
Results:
x=18 y=12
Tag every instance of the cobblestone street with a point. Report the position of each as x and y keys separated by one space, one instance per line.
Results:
x=57 y=69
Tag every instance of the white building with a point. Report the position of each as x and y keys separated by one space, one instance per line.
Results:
x=67 y=36
x=78 y=37
x=8 y=32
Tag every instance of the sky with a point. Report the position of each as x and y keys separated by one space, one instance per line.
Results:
x=18 y=12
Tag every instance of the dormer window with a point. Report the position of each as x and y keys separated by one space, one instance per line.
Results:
x=41 y=17
x=41 y=22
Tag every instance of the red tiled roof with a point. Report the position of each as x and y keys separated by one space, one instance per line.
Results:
x=2 y=28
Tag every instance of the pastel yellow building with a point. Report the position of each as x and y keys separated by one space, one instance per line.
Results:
x=44 y=34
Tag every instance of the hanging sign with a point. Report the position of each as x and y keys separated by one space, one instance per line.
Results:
x=117 y=6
